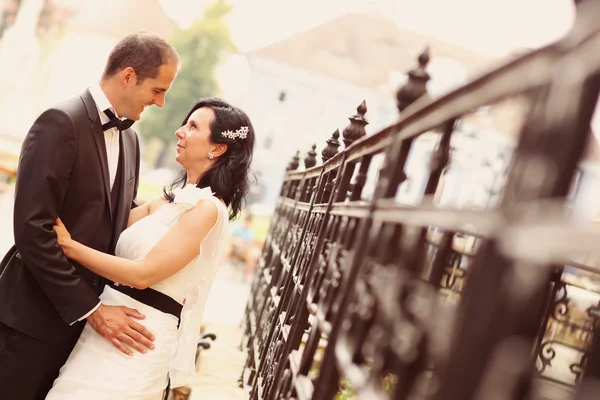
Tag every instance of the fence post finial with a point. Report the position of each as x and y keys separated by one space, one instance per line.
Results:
x=416 y=85
x=311 y=159
x=356 y=129
x=332 y=146
x=295 y=163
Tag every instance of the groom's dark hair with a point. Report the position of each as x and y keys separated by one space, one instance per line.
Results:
x=145 y=52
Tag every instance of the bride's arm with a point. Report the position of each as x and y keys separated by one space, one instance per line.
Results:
x=175 y=250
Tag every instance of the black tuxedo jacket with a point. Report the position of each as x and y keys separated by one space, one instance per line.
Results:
x=63 y=172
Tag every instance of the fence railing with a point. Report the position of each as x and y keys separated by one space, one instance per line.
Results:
x=362 y=294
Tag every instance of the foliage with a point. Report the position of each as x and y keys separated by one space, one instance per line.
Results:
x=201 y=49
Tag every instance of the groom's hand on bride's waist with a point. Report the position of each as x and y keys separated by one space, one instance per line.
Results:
x=115 y=323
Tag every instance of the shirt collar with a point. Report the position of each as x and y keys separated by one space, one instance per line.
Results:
x=102 y=102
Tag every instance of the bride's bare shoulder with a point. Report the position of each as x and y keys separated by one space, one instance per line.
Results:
x=156 y=203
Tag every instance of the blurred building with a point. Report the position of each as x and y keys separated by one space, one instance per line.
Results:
x=299 y=90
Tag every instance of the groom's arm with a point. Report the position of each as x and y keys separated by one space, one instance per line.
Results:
x=47 y=157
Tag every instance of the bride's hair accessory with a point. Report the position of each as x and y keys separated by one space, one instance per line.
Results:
x=241 y=133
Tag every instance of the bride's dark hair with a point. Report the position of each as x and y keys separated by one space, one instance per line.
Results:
x=229 y=177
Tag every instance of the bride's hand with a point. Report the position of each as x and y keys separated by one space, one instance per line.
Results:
x=63 y=237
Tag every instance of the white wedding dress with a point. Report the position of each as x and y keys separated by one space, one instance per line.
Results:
x=96 y=370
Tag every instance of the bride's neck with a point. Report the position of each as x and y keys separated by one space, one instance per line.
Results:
x=197 y=172
x=193 y=177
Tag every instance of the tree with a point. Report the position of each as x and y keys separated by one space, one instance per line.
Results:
x=201 y=49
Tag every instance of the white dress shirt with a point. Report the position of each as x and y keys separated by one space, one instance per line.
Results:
x=111 y=138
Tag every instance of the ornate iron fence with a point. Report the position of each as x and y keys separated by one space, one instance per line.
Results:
x=360 y=293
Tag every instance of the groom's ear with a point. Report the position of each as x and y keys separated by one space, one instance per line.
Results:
x=128 y=75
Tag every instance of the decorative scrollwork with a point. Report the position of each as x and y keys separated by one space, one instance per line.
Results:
x=577 y=368
x=546 y=354
x=560 y=309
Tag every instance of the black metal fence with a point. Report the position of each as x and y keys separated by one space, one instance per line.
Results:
x=360 y=294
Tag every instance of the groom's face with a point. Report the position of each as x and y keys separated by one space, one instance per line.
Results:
x=139 y=95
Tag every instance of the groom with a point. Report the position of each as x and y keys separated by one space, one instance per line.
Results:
x=80 y=162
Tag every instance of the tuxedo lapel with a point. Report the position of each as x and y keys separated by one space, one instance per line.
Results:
x=98 y=134
x=120 y=208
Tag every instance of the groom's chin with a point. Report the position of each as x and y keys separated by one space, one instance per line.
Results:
x=136 y=115
x=133 y=117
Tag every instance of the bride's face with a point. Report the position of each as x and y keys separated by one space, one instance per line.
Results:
x=194 y=138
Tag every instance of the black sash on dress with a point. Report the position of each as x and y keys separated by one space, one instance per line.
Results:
x=152 y=298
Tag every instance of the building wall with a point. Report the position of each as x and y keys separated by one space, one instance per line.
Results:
x=293 y=109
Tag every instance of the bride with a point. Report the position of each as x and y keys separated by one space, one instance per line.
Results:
x=165 y=263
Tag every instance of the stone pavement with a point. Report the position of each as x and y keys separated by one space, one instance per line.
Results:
x=220 y=366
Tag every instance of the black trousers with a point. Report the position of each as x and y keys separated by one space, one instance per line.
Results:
x=28 y=366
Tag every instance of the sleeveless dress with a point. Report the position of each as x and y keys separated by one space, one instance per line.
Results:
x=95 y=369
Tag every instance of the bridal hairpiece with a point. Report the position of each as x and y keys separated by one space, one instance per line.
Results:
x=241 y=133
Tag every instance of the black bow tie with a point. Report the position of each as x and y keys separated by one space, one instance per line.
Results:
x=115 y=122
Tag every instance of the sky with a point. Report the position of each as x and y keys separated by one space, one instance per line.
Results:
x=489 y=27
